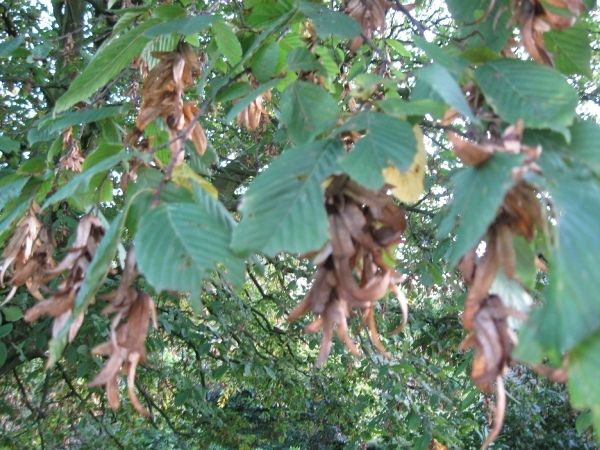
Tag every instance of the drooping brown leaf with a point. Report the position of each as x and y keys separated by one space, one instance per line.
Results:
x=352 y=272
x=370 y=14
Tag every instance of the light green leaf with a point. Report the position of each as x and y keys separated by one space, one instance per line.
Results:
x=583 y=368
x=182 y=25
x=11 y=313
x=443 y=56
x=244 y=102
x=104 y=150
x=179 y=244
x=583 y=422
x=329 y=22
x=283 y=207
x=106 y=65
x=571 y=48
x=389 y=140
x=525 y=90
x=63 y=121
x=83 y=179
x=3 y=353
x=5 y=330
x=11 y=189
x=227 y=42
x=585 y=137
x=265 y=12
x=571 y=312
x=101 y=263
x=264 y=62
x=307 y=110
x=8 y=145
x=398 y=107
x=442 y=82
x=493 y=32
x=10 y=45
x=478 y=192
x=302 y=59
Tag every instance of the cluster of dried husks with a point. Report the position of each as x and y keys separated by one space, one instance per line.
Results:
x=162 y=96
x=365 y=227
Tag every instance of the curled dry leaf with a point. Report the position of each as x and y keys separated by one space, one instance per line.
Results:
x=126 y=346
x=536 y=17
x=364 y=226
x=252 y=116
x=162 y=94
x=87 y=238
x=494 y=341
x=74 y=158
x=370 y=14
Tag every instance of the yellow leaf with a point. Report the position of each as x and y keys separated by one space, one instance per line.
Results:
x=408 y=187
x=183 y=174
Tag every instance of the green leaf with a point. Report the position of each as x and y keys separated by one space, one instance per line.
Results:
x=585 y=136
x=3 y=353
x=62 y=122
x=106 y=64
x=8 y=145
x=583 y=368
x=525 y=268
x=11 y=189
x=265 y=12
x=442 y=82
x=101 y=263
x=11 y=313
x=82 y=180
x=571 y=48
x=227 y=42
x=525 y=90
x=571 y=312
x=478 y=192
x=244 y=102
x=398 y=107
x=493 y=32
x=442 y=56
x=307 y=110
x=10 y=45
x=178 y=244
x=283 y=207
x=389 y=140
x=301 y=59
x=264 y=63
x=583 y=422
x=5 y=330
x=182 y=25
x=329 y=22
x=104 y=150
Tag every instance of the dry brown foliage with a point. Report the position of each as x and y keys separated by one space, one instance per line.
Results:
x=126 y=346
x=535 y=17
x=87 y=238
x=364 y=225
x=370 y=14
x=162 y=95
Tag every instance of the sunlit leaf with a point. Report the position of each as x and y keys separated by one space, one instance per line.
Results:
x=389 y=141
x=283 y=207
x=538 y=95
x=306 y=110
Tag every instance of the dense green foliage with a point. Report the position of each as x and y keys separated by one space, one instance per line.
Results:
x=481 y=117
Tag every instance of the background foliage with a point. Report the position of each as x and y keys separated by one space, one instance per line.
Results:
x=289 y=93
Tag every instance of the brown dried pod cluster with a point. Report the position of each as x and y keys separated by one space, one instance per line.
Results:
x=254 y=114
x=535 y=17
x=87 y=238
x=474 y=153
x=364 y=227
x=28 y=254
x=494 y=341
x=162 y=94
x=126 y=346
x=370 y=14
x=74 y=158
